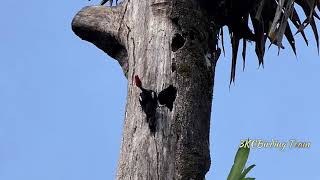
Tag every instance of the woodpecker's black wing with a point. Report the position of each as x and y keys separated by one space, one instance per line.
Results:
x=149 y=104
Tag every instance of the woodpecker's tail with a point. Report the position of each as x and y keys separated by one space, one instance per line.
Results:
x=152 y=124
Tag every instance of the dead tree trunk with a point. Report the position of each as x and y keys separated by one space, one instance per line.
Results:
x=165 y=42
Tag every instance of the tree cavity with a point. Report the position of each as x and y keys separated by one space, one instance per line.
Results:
x=167 y=97
x=177 y=42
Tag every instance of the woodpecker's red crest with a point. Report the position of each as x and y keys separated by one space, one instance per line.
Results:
x=137 y=81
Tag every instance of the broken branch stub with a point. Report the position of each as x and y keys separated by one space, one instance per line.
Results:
x=100 y=25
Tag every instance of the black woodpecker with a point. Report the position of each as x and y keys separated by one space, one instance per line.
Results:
x=149 y=103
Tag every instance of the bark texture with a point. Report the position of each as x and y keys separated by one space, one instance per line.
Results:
x=165 y=42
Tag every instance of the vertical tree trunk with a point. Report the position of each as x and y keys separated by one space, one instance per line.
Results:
x=165 y=42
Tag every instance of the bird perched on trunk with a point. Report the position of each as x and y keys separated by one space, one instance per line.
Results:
x=149 y=103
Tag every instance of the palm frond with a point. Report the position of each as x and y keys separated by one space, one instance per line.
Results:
x=270 y=20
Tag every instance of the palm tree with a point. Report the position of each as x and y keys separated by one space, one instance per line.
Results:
x=172 y=48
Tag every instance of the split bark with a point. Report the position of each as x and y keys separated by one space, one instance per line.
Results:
x=165 y=42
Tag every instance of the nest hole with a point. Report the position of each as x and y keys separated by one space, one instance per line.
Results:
x=167 y=97
x=177 y=42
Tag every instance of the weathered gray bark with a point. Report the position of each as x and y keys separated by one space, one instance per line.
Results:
x=165 y=42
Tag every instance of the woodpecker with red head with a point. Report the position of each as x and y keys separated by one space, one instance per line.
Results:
x=149 y=103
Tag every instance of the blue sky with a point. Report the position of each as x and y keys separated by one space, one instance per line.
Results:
x=62 y=103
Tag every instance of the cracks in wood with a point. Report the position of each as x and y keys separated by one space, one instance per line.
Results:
x=128 y=41
x=123 y=16
x=157 y=163
x=173 y=65
x=134 y=56
x=133 y=52
x=128 y=34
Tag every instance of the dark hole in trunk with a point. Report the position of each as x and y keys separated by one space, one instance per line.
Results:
x=167 y=97
x=177 y=42
x=173 y=67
